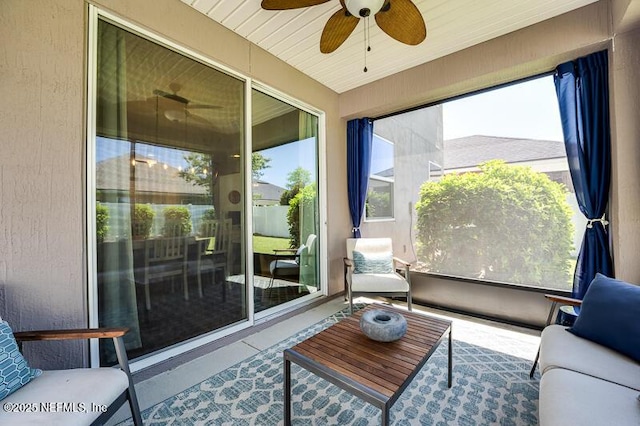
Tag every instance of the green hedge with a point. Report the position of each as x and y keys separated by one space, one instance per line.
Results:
x=505 y=223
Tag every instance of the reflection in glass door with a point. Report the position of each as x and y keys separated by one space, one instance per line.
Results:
x=168 y=182
x=285 y=202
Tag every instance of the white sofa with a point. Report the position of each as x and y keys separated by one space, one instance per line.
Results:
x=584 y=383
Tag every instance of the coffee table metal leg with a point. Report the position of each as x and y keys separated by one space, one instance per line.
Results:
x=287 y=392
x=385 y=415
x=450 y=369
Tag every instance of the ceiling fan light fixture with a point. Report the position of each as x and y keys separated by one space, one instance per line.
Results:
x=176 y=115
x=363 y=8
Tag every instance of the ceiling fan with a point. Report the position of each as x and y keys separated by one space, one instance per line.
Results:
x=400 y=19
x=181 y=113
x=175 y=88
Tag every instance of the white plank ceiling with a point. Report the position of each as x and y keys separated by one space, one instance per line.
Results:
x=452 y=25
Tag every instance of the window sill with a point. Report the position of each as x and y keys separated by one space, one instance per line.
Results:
x=523 y=287
x=382 y=219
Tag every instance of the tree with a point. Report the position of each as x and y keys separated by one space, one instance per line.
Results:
x=378 y=204
x=298 y=177
x=289 y=194
x=198 y=170
x=102 y=221
x=258 y=163
x=200 y=166
x=506 y=223
x=302 y=212
x=296 y=180
x=177 y=221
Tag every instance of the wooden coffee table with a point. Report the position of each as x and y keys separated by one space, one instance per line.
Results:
x=374 y=371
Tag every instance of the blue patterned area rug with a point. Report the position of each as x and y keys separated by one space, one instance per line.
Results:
x=489 y=387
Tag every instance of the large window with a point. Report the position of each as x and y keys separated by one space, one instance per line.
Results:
x=494 y=200
x=379 y=204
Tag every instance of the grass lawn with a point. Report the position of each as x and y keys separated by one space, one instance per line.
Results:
x=266 y=245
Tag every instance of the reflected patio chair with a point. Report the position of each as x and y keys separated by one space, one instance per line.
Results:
x=165 y=257
x=370 y=268
x=294 y=262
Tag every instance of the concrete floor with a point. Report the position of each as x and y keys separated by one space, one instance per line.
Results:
x=159 y=387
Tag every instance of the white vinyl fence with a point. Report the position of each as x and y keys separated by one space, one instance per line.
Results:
x=271 y=221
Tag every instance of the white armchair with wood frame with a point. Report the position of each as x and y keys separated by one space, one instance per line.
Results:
x=371 y=269
x=77 y=396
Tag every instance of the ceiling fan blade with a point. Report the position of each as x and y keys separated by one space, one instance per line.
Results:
x=289 y=4
x=336 y=30
x=402 y=20
x=172 y=96
x=203 y=106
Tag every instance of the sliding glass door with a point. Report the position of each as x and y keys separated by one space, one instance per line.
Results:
x=284 y=201
x=172 y=174
x=168 y=188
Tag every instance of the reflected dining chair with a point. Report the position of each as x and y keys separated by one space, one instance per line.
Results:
x=214 y=251
x=165 y=257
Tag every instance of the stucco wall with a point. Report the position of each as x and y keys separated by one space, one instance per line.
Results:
x=625 y=124
x=42 y=267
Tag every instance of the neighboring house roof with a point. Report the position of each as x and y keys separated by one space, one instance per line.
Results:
x=388 y=173
x=473 y=150
x=267 y=191
x=113 y=174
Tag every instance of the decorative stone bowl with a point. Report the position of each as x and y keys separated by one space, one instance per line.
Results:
x=383 y=326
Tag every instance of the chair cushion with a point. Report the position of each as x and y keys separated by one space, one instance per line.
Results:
x=570 y=398
x=284 y=267
x=368 y=245
x=372 y=263
x=561 y=349
x=379 y=283
x=14 y=370
x=609 y=315
x=77 y=388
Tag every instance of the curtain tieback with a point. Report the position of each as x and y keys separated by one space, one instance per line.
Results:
x=602 y=220
x=355 y=228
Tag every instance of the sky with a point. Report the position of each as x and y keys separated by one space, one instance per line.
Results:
x=528 y=110
x=288 y=157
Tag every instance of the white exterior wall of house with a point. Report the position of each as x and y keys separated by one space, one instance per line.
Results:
x=43 y=244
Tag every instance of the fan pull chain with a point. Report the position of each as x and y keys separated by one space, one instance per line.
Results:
x=367 y=41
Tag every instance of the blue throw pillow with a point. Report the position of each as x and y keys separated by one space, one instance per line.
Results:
x=609 y=316
x=14 y=371
x=372 y=263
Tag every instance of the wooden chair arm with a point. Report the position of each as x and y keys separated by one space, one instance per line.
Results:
x=555 y=300
x=80 y=333
x=347 y=261
x=402 y=262
x=563 y=300
x=289 y=250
